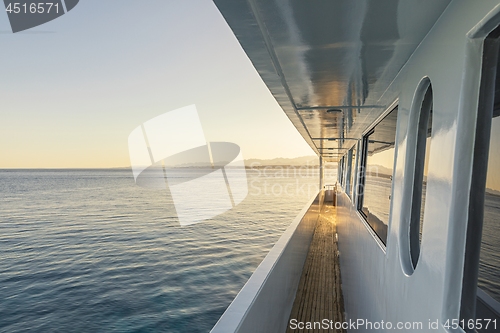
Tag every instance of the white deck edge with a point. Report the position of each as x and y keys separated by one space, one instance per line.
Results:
x=265 y=301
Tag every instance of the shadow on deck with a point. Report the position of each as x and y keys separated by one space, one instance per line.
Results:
x=319 y=295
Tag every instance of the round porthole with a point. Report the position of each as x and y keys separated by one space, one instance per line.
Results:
x=420 y=130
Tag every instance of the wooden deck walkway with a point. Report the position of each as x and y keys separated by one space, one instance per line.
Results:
x=319 y=295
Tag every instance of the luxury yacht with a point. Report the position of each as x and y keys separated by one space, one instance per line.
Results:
x=405 y=97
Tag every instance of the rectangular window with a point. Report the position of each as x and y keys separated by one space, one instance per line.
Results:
x=339 y=175
x=378 y=166
x=353 y=172
x=342 y=171
x=481 y=275
x=489 y=260
x=488 y=278
x=348 y=173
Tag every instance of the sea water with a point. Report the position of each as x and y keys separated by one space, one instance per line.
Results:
x=89 y=251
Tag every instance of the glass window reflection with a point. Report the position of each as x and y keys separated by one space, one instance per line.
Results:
x=379 y=163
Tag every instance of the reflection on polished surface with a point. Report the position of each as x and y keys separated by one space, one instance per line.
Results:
x=376 y=189
x=489 y=264
x=333 y=55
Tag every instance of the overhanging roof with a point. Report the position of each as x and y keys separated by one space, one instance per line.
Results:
x=328 y=63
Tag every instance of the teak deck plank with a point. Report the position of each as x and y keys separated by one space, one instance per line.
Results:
x=319 y=295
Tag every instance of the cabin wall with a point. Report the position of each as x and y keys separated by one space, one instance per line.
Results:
x=375 y=282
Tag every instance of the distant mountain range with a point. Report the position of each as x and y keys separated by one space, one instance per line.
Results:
x=304 y=160
x=378 y=169
x=492 y=191
x=255 y=162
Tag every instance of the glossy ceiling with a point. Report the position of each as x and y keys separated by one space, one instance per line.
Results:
x=328 y=63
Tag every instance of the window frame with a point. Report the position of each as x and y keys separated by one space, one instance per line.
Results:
x=356 y=176
x=421 y=148
x=471 y=293
x=348 y=156
x=352 y=172
x=363 y=158
x=341 y=171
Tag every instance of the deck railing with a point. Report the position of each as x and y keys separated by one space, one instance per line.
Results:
x=265 y=301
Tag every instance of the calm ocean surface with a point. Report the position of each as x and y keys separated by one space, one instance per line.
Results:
x=89 y=251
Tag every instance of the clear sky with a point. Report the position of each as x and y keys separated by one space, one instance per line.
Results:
x=73 y=89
